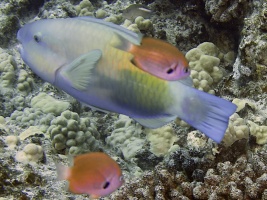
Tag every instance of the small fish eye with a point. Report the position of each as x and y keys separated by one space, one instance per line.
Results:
x=170 y=71
x=121 y=178
x=186 y=70
x=105 y=186
x=37 y=38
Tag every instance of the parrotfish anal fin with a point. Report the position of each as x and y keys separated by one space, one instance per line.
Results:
x=97 y=109
x=155 y=122
x=79 y=71
x=187 y=81
x=124 y=43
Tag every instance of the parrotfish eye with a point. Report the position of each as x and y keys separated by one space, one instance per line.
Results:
x=170 y=71
x=37 y=37
x=106 y=184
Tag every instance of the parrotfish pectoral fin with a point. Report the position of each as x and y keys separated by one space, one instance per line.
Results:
x=207 y=113
x=155 y=122
x=79 y=71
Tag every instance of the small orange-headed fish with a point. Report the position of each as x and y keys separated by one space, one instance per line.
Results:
x=160 y=59
x=95 y=174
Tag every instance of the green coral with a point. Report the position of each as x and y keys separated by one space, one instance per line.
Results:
x=204 y=62
x=25 y=82
x=48 y=104
x=237 y=129
x=260 y=132
x=7 y=69
x=161 y=140
x=31 y=117
x=73 y=135
x=85 y=8
x=126 y=137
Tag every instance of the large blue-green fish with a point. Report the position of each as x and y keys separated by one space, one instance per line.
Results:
x=88 y=59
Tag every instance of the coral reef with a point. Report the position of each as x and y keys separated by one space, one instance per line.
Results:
x=241 y=180
x=161 y=140
x=173 y=162
x=31 y=117
x=48 y=104
x=85 y=8
x=126 y=137
x=73 y=135
x=25 y=83
x=7 y=69
x=260 y=132
x=204 y=63
x=225 y=11
x=31 y=153
x=237 y=129
x=250 y=65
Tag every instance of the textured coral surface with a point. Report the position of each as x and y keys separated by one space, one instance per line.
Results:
x=225 y=43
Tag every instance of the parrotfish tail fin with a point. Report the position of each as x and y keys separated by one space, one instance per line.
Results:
x=207 y=113
x=63 y=172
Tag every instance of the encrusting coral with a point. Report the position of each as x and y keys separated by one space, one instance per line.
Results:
x=31 y=153
x=48 y=104
x=204 y=64
x=237 y=129
x=126 y=137
x=7 y=69
x=241 y=180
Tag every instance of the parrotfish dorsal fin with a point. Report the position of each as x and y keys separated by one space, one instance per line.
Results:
x=131 y=36
x=78 y=72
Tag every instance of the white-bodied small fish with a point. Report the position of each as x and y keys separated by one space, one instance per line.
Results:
x=89 y=59
x=135 y=10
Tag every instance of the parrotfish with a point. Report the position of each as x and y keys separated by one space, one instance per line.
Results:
x=95 y=174
x=89 y=59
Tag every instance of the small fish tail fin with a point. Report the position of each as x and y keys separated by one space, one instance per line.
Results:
x=207 y=113
x=63 y=172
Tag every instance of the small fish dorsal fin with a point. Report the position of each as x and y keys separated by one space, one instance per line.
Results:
x=79 y=71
